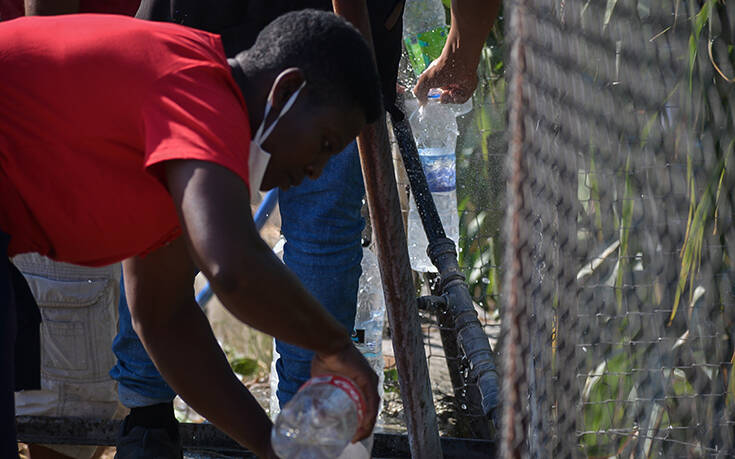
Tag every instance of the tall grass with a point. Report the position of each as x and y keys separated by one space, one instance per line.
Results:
x=692 y=385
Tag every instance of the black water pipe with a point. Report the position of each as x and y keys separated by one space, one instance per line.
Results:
x=442 y=252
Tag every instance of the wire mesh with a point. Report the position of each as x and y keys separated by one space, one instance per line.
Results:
x=619 y=301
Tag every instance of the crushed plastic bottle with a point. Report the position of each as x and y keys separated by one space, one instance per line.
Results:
x=274 y=405
x=370 y=317
x=320 y=420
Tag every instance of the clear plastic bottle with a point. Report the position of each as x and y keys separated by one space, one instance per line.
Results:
x=424 y=32
x=434 y=127
x=275 y=407
x=370 y=317
x=320 y=420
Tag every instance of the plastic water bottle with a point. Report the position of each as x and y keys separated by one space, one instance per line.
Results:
x=275 y=407
x=368 y=333
x=320 y=420
x=424 y=32
x=434 y=127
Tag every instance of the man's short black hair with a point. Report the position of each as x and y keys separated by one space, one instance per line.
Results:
x=335 y=58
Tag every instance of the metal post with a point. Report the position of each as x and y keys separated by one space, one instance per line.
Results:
x=442 y=252
x=514 y=424
x=398 y=289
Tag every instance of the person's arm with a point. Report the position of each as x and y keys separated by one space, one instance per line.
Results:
x=249 y=279
x=179 y=340
x=455 y=71
x=50 y=7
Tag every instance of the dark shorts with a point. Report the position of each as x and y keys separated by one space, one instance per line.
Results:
x=20 y=350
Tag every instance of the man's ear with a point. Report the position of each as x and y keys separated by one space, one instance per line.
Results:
x=286 y=83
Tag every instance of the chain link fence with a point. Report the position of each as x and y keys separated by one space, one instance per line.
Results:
x=618 y=308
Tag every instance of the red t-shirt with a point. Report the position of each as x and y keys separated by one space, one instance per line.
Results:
x=88 y=105
x=11 y=9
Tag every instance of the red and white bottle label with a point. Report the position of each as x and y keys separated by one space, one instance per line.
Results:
x=347 y=386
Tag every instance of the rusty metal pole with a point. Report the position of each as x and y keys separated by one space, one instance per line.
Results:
x=395 y=270
x=398 y=289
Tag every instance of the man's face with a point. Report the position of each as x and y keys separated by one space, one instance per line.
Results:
x=304 y=139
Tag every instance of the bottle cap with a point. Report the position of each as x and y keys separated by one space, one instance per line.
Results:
x=434 y=94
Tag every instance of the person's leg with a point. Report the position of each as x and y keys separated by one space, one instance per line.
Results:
x=151 y=429
x=8 y=442
x=322 y=225
x=139 y=382
x=79 y=309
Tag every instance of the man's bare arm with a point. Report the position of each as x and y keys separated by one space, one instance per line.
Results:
x=179 y=340
x=455 y=71
x=248 y=278
x=243 y=271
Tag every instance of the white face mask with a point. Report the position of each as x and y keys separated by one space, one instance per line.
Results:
x=258 y=160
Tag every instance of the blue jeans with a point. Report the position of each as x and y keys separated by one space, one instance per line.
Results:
x=322 y=224
x=139 y=382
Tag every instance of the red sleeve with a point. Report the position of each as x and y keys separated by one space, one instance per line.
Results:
x=197 y=113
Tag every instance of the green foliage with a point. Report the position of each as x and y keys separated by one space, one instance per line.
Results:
x=244 y=366
x=390 y=383
x=701 y=213
x=615 y=388
x=481 y=181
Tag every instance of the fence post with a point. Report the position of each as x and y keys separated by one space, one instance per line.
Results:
x=398 y=289
x=514 y=424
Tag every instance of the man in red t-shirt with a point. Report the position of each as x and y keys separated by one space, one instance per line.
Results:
x=123 y=138
x=73 y=382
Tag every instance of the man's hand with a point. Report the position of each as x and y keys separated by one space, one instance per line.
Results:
x=455 y=71
x=456 y=77
x=350 y=363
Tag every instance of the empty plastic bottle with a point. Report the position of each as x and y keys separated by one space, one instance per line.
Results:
x=274 y=405
x=320 y=420
x=434 y=127
x=368 y=333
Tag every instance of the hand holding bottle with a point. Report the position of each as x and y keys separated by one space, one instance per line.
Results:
x=350 y=363
x=452 y=74
x=455 y=71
